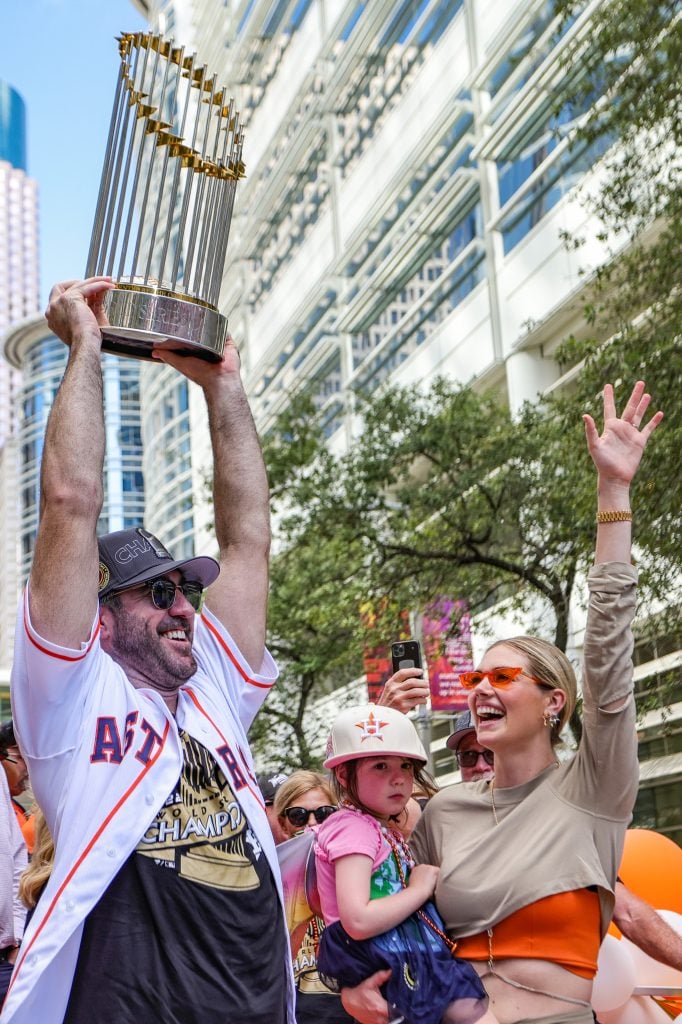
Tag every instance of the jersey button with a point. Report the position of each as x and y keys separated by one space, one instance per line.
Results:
x=111 y=852
x=149 y=799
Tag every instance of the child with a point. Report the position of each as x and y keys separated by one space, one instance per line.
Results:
x=374 y=900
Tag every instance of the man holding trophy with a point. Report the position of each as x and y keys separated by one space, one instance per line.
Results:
x=131 y=704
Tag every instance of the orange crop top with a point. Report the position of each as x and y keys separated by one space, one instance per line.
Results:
x=564 y=929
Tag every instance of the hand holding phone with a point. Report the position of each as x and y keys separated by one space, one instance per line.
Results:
x=406 y=689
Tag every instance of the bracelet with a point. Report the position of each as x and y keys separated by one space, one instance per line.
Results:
x=620 y=515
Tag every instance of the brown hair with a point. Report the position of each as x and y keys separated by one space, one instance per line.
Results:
x=552 y=668
x=422 y=782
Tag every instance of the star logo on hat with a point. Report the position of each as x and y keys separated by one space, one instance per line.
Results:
x=371 y=727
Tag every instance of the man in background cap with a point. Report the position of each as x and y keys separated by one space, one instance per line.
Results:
x=17 y=779
x=269 y=783
x=475 y=761
x=165 y=902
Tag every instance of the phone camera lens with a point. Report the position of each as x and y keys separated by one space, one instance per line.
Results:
x=399 y=650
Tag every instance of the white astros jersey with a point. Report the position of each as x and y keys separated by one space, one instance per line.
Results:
x=103 y=758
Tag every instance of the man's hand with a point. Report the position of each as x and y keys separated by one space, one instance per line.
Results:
x=202 y=371
x=240 y=499
x=76 y=308
x=405 y=690
x=365 y=1002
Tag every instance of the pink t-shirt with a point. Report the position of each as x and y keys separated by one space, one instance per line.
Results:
x=341 y=834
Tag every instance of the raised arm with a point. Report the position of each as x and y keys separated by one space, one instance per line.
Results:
x=604 y=774
x=240 y=499
x=63 y=580
x=616 y=455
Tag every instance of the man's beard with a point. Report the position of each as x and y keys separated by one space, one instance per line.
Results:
x=137 y=645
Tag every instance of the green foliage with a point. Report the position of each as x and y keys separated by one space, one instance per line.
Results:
x=473 y=501
x=442 y=493
x=313 y=620
x=632 y=58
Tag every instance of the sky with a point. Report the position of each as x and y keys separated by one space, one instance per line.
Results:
x=62 y=57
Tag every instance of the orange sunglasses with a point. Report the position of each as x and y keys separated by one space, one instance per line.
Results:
x=499 y=678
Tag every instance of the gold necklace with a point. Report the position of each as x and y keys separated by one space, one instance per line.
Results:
x=492 y=797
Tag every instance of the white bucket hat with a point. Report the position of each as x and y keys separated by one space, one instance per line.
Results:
x=368 y=731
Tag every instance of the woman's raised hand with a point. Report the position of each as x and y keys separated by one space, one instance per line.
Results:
x=618 y=451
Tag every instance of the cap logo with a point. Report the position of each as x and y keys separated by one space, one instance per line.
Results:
x=129 y=552
x=104 y=577
x=371 y=727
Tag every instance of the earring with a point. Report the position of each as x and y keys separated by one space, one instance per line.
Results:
x=550 y=720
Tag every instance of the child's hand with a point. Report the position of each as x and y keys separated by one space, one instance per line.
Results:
x=424 y=878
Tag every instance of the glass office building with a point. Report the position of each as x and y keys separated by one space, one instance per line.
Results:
x=19 y=298
x=42 y=358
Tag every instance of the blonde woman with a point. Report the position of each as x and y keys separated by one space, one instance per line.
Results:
x=304 y=799
x=528 y=860
x=34 y=879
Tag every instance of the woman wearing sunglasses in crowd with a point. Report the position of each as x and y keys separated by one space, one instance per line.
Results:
x=528 y=859
x=306 y=800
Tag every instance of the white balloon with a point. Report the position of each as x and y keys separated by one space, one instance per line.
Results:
x=637 y=1010
x=615 y=978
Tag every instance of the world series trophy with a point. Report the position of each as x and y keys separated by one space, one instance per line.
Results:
x=165 y=203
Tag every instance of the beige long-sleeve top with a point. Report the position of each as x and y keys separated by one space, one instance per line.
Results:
x=564 y=829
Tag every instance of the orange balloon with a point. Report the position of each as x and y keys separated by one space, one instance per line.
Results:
x=652 y=868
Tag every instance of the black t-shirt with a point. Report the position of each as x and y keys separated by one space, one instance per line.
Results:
x=190 y=929
x=315 y=1004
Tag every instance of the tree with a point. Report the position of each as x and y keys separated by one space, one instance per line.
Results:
x=631 y=61
x=313 y=614
x=475 y=504
x=442 y=494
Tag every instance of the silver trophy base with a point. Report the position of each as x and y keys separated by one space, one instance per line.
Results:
x=141 y=321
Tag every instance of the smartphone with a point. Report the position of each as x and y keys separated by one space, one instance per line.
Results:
x=406 y=654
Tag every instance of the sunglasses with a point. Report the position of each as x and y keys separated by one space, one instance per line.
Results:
x=468 y=758
x=163 y=593
x=300 y=816
x=499 y=678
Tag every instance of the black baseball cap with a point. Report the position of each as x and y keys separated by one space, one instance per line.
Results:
x=269 y=783
x=463 y=724
x=7 y=737
x=127 y=557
